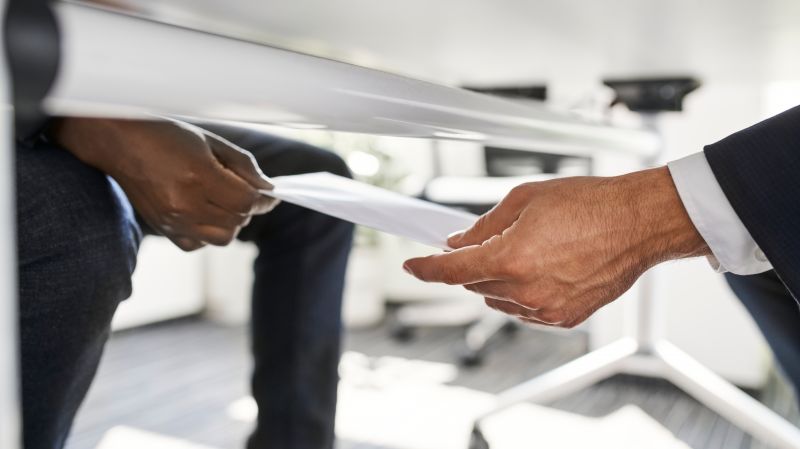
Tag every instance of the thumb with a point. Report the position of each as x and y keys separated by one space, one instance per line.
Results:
x=238 y=161
x=494 y=222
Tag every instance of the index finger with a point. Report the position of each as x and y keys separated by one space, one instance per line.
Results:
x=462 y=266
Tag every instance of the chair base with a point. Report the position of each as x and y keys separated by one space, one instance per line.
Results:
x=663 y=360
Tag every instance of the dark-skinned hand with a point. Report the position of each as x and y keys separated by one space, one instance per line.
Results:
x=189 y=185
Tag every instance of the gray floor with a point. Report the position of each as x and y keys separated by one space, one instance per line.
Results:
x=177 y=379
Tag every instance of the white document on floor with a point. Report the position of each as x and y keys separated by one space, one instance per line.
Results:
x=374 y=207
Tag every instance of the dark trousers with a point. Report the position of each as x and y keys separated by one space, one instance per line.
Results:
x=776 y=313
x=78 y=239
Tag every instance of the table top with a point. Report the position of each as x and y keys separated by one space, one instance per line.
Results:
x=142 y=66
x=477 y=41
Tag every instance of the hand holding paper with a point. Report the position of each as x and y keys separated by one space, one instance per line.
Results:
x=185 y=183
x=554 y=252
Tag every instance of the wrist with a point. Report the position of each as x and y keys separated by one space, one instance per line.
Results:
x=92 y=140
x=110 y=145
x=664 y=227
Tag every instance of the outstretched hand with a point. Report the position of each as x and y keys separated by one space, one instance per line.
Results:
x=554 y=252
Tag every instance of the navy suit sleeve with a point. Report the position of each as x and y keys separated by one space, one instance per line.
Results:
x=759 y=170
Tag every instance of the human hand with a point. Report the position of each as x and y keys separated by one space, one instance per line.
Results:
x=555 y=252
x=193 y=187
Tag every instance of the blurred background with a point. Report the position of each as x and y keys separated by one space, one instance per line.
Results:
x=417 y=353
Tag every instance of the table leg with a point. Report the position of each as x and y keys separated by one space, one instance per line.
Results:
x=10 y=435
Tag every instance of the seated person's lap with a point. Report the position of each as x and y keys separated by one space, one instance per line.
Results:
x=77 y=249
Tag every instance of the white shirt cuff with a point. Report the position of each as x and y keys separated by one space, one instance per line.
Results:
x=730 y=242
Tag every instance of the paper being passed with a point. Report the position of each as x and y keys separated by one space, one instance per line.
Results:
x=370 y=206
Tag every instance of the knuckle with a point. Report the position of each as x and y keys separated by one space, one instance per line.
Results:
x=492 y=243
x=516 y=191
x=530 y=301
x=226 y=238
x=520 y=190
x=546 y=316
x=569 y=324
x=219 y=237
x=549 y=316
x=218 y=241
x=175 y=206
x=176 y=210
x=190 y=177
x=188 y=245
x=575 y=321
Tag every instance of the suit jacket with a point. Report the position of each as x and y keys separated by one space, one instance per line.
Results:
x=759 y=170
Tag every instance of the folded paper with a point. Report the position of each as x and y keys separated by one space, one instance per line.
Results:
x=371 y=206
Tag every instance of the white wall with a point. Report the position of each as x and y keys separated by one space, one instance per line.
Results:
x=168 y=283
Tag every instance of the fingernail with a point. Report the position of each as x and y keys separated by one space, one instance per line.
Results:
x=455 y=236
x=407 y=269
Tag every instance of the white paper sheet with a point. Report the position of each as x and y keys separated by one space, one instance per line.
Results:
x=370 y=206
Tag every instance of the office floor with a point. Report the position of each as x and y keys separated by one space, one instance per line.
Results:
x=180 y=378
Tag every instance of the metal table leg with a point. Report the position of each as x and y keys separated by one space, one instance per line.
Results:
x=10 y=435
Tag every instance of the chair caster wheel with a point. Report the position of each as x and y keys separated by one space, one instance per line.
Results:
x=470 y=358
x=477 y=441
x=402 y=334
x=511 y=328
